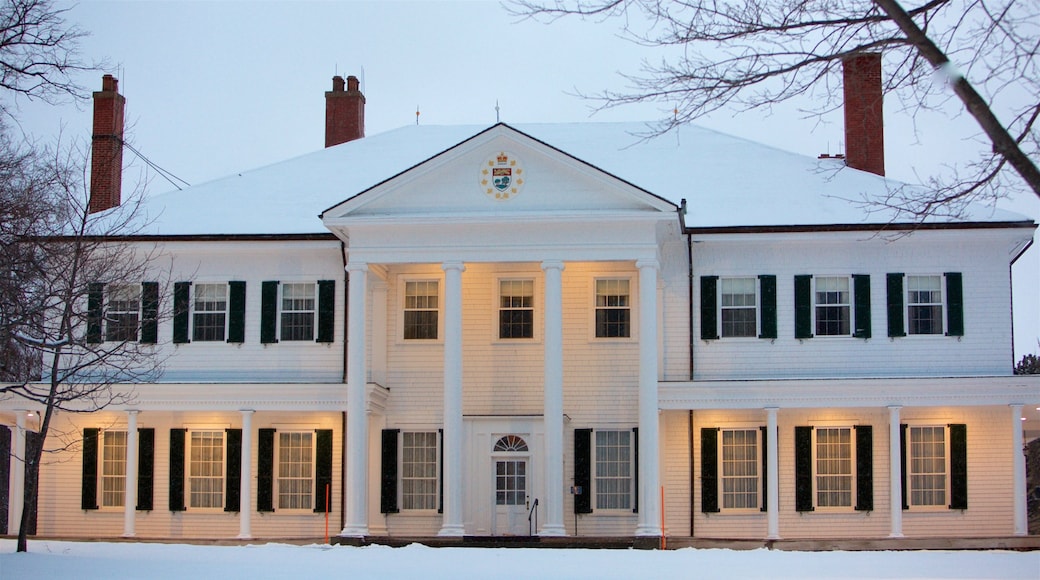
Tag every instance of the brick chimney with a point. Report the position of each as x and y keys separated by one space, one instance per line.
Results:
x=864 y=122
x=106 y=156
x=344 y=112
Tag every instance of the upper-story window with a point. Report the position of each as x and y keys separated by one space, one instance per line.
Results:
x=516 y=309
x=421 y=304
x=924 y=304
x=210 y=312
x=833 y=307
x=613 y=308
x=123 y=312
x=297 y=312
x=739 y=307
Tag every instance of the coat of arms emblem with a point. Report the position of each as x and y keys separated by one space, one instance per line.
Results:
x=502 y=176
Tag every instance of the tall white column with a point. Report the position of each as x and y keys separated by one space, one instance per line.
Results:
x=17 y=473
x=895 y=469
x=772 y=477
x=452 y=523
x=553 y=393
x=1018 y=489
x=356 y=505
x=245 y=495
x=649 y=434
x=130 y=495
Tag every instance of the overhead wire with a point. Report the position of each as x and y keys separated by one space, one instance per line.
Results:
x=162 y=172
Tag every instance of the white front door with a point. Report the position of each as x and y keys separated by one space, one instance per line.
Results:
x=511 y=499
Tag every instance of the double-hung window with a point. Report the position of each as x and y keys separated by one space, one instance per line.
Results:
x=206 y=469
x=123 y=313
x=834 y=467
x=295 y=470
x=924 y=304
x=516 y=309
x=739 y=473
x=419 y=470
x=210 y=312
x=613 y=469
x=113 y=468
x=297 y=312
x=421 y=305
x=613 y=308
x=927 y=465
x=739 y=307
x=833 y=307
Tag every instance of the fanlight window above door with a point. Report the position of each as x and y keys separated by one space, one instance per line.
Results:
x=511 y=443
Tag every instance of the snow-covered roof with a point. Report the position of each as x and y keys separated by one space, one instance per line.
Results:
x=727 y=181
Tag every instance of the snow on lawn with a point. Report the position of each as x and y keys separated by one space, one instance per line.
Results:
x=76 y=560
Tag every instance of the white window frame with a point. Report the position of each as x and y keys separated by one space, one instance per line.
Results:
x=402 y=285
x=403 y=498
x=721 y=308
x=910 y=472
x=282 y=311
x=756 y=462
x=816 y=472
x=499 y=308
x=280 y=478
x=941 y=319
x=104 y=447
x=633 y=307
x=195 y=311
x=850 y=305
x=188 y=462
x=595 y=476
x=112 y=294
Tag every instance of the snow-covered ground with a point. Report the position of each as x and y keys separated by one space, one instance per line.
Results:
x=82 y=560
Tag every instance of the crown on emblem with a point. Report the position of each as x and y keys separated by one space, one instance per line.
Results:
x=502 y=158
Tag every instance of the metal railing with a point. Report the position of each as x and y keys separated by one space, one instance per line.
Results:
x=532 y=514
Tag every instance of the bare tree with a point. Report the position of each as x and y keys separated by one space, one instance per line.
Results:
x=757 y=53
x=88 y=300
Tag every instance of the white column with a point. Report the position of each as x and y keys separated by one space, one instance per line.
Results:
x=17 y=473
x=649 y=434
x=245 y=495
x=553 y=393
x=772 y=477
x=355 y=507
x=130 y=496
x=452 y=523
x=1018 y=489
x=895 y=469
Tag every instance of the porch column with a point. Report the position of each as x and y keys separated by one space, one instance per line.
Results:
x=1018 y=490
x=245 y=509
x=355 y=516
x=649 y=434
x=553 y=392
x=17 y=494
x=130 y=494
x=772 y=477
x=452 y=523
x=895 y=469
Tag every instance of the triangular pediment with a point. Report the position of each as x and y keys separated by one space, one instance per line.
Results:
x=499 y=171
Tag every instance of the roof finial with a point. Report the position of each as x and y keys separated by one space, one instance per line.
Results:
x=497 y=118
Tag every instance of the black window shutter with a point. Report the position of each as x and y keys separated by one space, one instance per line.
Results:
x=803 y=469
x=233 y=469
x=95 y=311
x=440 y=472
x=902 y=466
x=268 y=312
x=149 y=312
x=635 y=469
x=765 y=468
x=709 y=307
x=177 y=469
x=236 y=311
x=33 y=443
x=388 y=473
x=322 y=469
x=583 y=470
x=5 y=475
x=265 y=470
x=864 y=468
x=958 y=467
x=803 y=306
x=709 y=469
x=767 y=284
x=145 y=468
x=896 y=327
x=181 y=311
x=326 y=310
x=88 y=497
x=861 y=291
x=954 y=304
